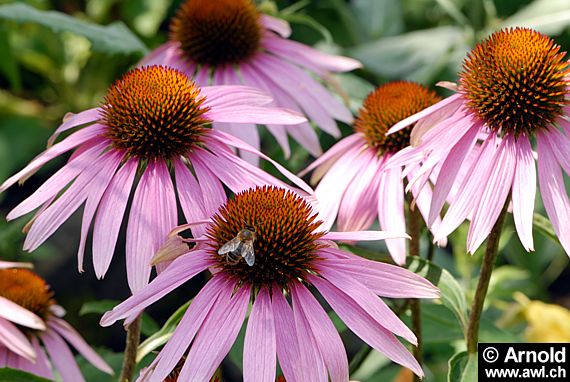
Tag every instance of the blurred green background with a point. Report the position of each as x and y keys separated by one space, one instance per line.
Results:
x=51 y=64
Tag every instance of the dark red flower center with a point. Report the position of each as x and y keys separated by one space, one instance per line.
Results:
x=154 y=112
x=515 y=80
x=387 y=105
x=217 y=32
x=284 y=244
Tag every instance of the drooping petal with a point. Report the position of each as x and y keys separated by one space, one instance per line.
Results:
x=213 y=194
x=181 y=270
x=12 y=338
x=277 y=25
x=364 y=235
x=364 y=326
x=56 y=150
x=326 y=336
x=61 y=357
x=368 y=301
x=554 y=194
x=74 y=338
x=221 y=97
x=190 y=196
x=383 y=279
x=390 y=207
x=221 y=327
x=19 y=315
x=259 y=350
x=286 y=336
x=497 y=185
x=110 y=215
x=42 y=366
x=524 y=191
x=73 y=120
x=217 y=290
x=152 y=217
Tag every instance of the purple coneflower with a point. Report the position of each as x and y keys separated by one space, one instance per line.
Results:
x=294 y=258
x=230 y=42
x=154 y=122
x=514 y=88
x=32 y=336
x=355 y=185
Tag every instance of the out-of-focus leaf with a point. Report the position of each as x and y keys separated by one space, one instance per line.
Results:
x=547 y=16
x=13 y=375
x=115 y=360
x=506 y=280
x=544 y=226
x=8 y=64
x=379 y=17
x=97 y=307
x=452 y=295
x=114 y=38
x=146 y=15
x=356 y=88
x=160 y=337
x=415 y=56
x=462 y=367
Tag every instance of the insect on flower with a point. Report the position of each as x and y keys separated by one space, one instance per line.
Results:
x=240 y=246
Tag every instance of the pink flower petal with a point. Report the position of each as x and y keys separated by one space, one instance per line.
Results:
x=364 y=235
x=217 y=289
x=524 y=191
x=56 y=150
x=9 y=264
x=497 y=184
x=383 y=279
x=181 y=270
x=553 y=190
x=286 y=337
x=19 y=315
x=213 y=193
x=368 y=301
x=12 y=338
x=96 y=191
x=223 y=97
x=276 y=25
x=308 y=57
x=61 y=357
x=190 y=196
x=73 y=120
x=235 y=142
x=221 y=328
x=41 y=366
x=424 y=113
x=148 y=225
x=259 y=349
x=326 y=336
x=74 y=338
x=390 y=207
x=110 y=215
x=364 y=326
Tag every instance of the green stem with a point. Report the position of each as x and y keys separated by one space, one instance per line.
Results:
x=414 y=224
x=489 y=258
x=132 y=343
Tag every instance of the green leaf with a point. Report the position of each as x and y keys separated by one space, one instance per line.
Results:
x=379 y=17
x=114 y=38
x=546 y=16
x=13 y=375
x=452 y=295
x=462 y=367
x=544 y=226
x=98 y=307
x=160 y=337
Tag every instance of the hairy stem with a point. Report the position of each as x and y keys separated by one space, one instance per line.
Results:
x=415 y=225
x=131 y=345
x=489 y=259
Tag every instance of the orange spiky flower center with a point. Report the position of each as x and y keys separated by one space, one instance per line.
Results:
x=388 y=105
x=26 y=289
x=217 y=32
x=154 y=112
x=515 y=81
x=285 y=243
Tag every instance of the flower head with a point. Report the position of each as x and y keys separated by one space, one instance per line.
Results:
x=30 y=327
x=291 y=256
x=514 y=88
x=153 y=124
x=355 y=185
x=229 y=42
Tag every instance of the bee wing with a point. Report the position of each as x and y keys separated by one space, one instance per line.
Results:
x=247 y=253
x=230 y=246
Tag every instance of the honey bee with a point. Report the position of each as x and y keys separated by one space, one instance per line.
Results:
x=240 y=246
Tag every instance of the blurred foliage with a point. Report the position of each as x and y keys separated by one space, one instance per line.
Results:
x=60 y=56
